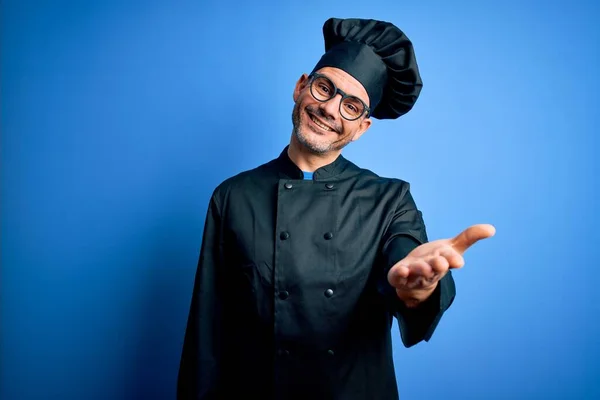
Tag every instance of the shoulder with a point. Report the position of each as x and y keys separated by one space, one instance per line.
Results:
x=391 y=193
x=373 y=180
x=243 y=182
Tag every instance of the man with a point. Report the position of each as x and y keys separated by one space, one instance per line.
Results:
x=306 y=260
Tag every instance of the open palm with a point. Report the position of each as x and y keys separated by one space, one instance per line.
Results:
x=418 y=273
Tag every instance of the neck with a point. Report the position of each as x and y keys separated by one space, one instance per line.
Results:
x=306 y=160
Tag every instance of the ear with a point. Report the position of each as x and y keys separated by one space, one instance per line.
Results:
x=300 y=86
x=364 y=126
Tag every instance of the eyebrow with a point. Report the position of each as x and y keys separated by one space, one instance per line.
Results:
x=345 y=92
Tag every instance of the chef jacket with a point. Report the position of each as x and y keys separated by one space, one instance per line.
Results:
x=291 y=298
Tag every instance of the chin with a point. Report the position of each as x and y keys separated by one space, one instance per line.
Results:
x=312 y=138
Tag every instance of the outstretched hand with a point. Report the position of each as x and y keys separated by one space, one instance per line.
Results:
x=416 y=276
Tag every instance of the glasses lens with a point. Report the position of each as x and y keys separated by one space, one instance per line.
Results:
x=322 y=89
x=352 y=108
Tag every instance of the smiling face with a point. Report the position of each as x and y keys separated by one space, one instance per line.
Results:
x=318 y=126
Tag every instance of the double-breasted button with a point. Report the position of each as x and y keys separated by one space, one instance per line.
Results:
x=330 y=352
x=284 y=294
x=284 y=235
x=328 y=293
x=328 y=236
x=283 y=352
x=288 y=185
x=329 y=186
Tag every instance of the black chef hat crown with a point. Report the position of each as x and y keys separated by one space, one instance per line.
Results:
x=380 y=57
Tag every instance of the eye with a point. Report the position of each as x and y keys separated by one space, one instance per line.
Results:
x=351 y=107
x=324 y=88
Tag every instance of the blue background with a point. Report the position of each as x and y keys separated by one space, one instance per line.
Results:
x=119 y=118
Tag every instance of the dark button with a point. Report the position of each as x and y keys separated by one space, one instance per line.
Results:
x=328 y=236
x=330 y=352
x=288 y=185
x=283 y=352
x=284 y=294
x=329 y=185
x=328 y=293
x=284 y=235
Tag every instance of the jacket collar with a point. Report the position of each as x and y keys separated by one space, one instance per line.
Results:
x=287 y=168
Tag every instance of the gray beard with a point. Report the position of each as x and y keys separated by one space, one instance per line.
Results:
x=315 y=148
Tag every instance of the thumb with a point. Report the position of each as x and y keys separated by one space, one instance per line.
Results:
x=471 y=235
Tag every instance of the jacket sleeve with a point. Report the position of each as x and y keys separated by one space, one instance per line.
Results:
x=199 y=365
x=405 y=232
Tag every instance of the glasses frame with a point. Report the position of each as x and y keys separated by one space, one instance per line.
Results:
x=337 y=91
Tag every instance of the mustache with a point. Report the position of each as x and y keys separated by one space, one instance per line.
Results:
x=318 y=112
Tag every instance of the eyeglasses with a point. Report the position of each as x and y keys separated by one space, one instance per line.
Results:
x=323 y=90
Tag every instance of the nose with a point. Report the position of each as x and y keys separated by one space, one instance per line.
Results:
x=332 y=106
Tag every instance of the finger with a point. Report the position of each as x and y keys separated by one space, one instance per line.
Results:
x=439 y=265
x=421 y=274
x=420 y=269
x=471 y=235
x=398 y=274
x=455 y=260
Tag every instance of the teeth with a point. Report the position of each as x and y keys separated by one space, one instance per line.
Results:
x=320 y=124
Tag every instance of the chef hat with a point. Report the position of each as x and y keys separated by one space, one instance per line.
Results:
x=380 y=57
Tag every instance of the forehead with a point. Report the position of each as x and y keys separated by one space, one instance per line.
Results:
x=345 y=82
